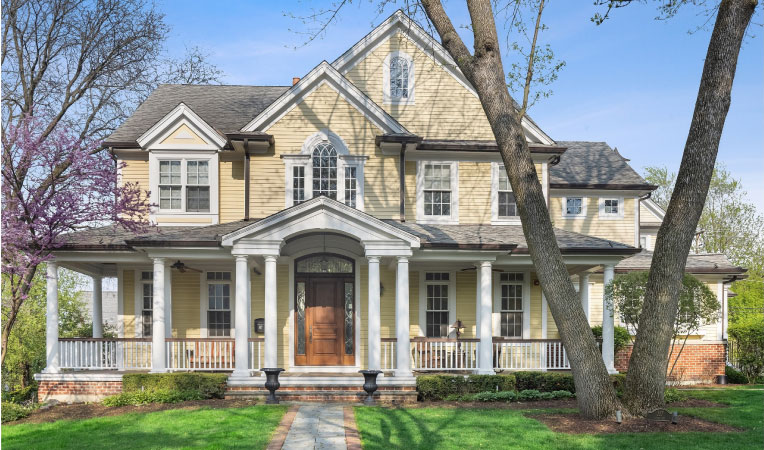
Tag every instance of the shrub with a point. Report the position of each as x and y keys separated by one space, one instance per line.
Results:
x=528 y=394
x=621 y=336
x=13 y=411
x=734 y=376
x=155 y=396
x=207 y=385
x=26 y=395
x=438 y=387
x=748 y=334
x=493 y=383
x=673 y=395
x=502 y=396
x=563 y=394
x=619 y=382
x=544 y=381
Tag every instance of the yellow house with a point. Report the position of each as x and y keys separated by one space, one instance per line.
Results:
x=360 y=218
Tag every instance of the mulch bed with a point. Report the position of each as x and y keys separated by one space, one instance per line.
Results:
x=575 y=424
x=90 y=410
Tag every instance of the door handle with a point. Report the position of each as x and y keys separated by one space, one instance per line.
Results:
x=311 y=334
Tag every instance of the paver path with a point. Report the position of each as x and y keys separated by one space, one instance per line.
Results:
x=317 y=427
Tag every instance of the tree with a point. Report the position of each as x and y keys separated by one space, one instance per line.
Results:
x=698 y=306
x=38 y=209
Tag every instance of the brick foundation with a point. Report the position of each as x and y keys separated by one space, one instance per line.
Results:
x=69 y=391
x=698 y=362
x=388 y=395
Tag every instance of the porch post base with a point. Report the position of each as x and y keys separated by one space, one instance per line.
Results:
x=159 y=371
x=485 y=372
x=403 y=374
x=239 y=375
x=612 y=371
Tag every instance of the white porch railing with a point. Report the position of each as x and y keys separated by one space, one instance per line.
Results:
x=256 y=353
x=104 y=354
x=388 y=356
x=529 y=354
x=200 y=354
x=428 y=354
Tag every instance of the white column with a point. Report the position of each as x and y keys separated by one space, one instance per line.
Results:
x=51 y=319
x=403 y=342
x=168 y=302
x=375 y=342
x=241 y=315
x=544 y=317
x=608 y=345
x=485 y=357
x=583 y=291
x=158 y=350
x=271 y=334
x=477 y=302
x=97 y=307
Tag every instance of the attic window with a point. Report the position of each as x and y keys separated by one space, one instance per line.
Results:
x=398 y=78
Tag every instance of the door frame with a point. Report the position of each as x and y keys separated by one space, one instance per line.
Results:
x=358 y=262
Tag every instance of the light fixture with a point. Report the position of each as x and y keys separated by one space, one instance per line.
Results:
x=458 y=326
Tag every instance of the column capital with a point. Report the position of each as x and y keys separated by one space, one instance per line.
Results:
x=158 y=260
x=402 y=259
x=584 y=275
x=52 y=264
x=272 y=258
x=241 y=257
x=374 y=259
x=486 y=263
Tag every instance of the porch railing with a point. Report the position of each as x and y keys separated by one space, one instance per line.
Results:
x=256 y=355
x=529 y=354
x=105 y=353
x=430 y=354
x=200 y=354
x=388 y=356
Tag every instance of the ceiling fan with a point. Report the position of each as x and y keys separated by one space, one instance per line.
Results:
x=182 y=267
x=493 y=269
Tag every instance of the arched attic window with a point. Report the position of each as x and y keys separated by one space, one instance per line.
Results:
x=325 y=170
x=399 y=77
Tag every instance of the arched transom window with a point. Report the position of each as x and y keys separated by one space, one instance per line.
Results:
x=399 y=77
x=325 y=170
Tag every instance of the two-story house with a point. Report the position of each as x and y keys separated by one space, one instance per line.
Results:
x=359 y=218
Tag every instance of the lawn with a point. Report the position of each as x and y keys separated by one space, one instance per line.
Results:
x=249 y=427
x=445 y=428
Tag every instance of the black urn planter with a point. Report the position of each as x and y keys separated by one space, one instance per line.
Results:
x=272 y=383
x=370 y=384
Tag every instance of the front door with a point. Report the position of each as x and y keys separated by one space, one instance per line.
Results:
x=324 y=307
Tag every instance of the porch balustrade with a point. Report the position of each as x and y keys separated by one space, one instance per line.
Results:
x=529 y=354
x=438 y=354
x=388 y=354
x=105 y=354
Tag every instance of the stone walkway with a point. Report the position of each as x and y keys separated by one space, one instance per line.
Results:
x=320 y=426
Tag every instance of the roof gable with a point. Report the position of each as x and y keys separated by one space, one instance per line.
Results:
x=182 y=121
x=399 y=22
x=324 y=74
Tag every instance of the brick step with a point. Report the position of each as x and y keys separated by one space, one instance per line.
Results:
x=348 y=396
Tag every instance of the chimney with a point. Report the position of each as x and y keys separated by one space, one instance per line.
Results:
x=295 y=80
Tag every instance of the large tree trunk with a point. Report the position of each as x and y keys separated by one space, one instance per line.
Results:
x=15 y=305
x=594 y=390
x=646 y=378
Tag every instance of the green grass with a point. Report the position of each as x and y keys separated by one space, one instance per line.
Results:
x=444 y=428
x=249 y=427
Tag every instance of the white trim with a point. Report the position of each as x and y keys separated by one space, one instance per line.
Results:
x=451 y=219
x=451 y=283
x=181 y=214
x=138 y=298
x=324 y=73
x=495 y=218
x=564 y=207
x=120 y=302
x=526 y=284
x=720 y=318
x=654 y=209
x=181 y=114
x=399 y=22
x=610 y=216
x=545 y=181
x=387 y=98
x=637 y=231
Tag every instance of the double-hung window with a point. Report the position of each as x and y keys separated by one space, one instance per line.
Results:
x=197 y=186
x=504 y=204
x=436 y=307
x=219 y=304
x=147 y=302
x=351 y=185
x=437 y=192
x=170 y=185
x=511 y=307
x=189 y=179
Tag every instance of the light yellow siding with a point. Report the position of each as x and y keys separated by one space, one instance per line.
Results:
x=620 y=230
x=474 y=192
x=458 y=115
x=646 y=217
x=128 y=302
x=535 y=309
x=183 y=135
x=135 y=171
x=186 y=304
x=231 y=191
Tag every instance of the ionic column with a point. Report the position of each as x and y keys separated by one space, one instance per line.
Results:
x=583 y=291
x=158 y=350
x=608 y=332
x=97 y=307
x=485 y=355
x=242 y=318
x=168 y=302
x=375 y=342
x=403 y=343
x=271 y=333
x=51 y=319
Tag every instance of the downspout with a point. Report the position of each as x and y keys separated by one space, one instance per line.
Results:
x=246 y=179
x=402 y=189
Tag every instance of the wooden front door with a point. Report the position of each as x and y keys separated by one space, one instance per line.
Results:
x=324 y=322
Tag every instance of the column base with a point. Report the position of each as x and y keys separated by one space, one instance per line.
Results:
x=403 y=374
x=158 y=371
x=485 y=372
x=241 y=374
x=51 y=370
x=612 y=371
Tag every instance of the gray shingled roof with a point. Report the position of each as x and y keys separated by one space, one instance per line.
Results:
x=696 y=263
x=225 y=108
x=592 y=163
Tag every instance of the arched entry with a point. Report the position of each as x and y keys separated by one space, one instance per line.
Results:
x=324 y=310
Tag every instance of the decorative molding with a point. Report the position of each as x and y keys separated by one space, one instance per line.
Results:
x=181 y=114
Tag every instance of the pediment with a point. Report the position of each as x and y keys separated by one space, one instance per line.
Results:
x=181 y=129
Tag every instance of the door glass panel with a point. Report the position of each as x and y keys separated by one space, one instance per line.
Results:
x=324 y=264
x=349 y=318
x=301 y=318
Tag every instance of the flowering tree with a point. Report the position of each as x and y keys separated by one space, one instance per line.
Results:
x=52 y=185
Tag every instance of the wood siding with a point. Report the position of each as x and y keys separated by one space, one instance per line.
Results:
x=620 y=230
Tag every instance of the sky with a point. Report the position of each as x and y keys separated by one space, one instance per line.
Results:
x=631 y=82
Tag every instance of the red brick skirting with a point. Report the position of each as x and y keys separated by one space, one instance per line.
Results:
x=77 y=391
x=698 y=363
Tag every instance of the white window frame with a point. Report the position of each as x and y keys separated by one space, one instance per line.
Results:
x=611 y=216
x=141 y=282
x=305 y=159
x=386 y=97
x=212 y=158
x=205 y=300
x=496 y=219
x=451 y=283
x=526 y=283
x=564 y=207
x=451 y=219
